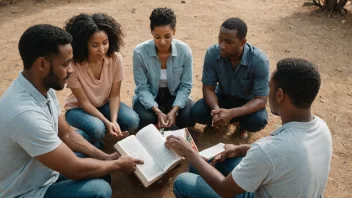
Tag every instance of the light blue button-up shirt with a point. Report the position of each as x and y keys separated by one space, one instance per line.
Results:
x=249 y=79
x=146 y=71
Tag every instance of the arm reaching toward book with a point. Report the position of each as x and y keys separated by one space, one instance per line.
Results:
x=153 y=141
x=132 y=147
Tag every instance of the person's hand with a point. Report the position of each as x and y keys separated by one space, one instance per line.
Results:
x=119 y=134
x=171 y=118
x=162 y=120
x=114 y=129
x=230 y=151
x=111 y=128
x=179 y=145
x=112 y=156
x=128 y=164
x=221 y=117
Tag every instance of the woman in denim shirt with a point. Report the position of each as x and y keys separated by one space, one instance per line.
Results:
x=162 y=70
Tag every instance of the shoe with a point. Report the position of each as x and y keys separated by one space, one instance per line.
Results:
x=209 y=130
x=243 y=134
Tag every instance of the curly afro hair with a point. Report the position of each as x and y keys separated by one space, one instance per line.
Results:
x=83 y=26
x=299 y=79
x=41 y=40
x=162 y=17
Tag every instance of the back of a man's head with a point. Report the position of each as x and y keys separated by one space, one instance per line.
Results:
x=236 y=24
x=41 y=41
x=299 y=79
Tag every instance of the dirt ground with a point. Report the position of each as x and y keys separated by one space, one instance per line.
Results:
x=281 y=28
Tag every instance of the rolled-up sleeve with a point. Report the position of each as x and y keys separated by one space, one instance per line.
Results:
x=185 y=85
x=142 y=90
x=261 y=78
x=209 y=76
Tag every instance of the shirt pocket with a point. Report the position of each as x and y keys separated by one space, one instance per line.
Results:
x=246 y=87
x=176 y=77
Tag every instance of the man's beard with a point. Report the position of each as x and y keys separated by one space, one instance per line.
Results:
x=53 y=81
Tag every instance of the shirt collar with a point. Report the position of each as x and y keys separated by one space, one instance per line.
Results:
x=152 y=48
x=245 y=56
x=296 y=125
x=32 y=90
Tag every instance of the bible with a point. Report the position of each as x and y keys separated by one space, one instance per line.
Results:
x=148 y=145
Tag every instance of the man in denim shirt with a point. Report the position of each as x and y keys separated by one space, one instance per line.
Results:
x=235 y=82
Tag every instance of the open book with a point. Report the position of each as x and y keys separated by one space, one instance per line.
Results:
x=213 y=151
x=148 y=145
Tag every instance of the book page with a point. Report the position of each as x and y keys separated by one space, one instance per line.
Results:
x=180 y=133
x=154 y=142
x=213 y=151
x=135 y=149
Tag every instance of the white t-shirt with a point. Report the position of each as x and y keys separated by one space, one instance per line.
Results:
x=163 y=78
x=293 y=162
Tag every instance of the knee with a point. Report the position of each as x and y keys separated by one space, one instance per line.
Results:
x=180 y=184
x=256 y=121
x=196 y=109
x=200 y=112
x=97 y=131
x=133 y=122
x=146 y=117
x=98 y=188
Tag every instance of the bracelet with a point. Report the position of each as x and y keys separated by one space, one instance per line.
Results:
x=157 y=112
x=176 y=112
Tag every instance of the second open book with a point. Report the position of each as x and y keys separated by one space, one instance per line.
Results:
x=149 y=145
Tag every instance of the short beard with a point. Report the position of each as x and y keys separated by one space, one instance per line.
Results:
x=52 y=80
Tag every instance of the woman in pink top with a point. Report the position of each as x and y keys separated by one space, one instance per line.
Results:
x=94 y=105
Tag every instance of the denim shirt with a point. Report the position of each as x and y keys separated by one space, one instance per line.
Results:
x=249 y=79
x=146 y=71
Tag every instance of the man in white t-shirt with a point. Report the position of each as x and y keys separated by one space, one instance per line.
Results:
x=36 y=143
x=293 y=162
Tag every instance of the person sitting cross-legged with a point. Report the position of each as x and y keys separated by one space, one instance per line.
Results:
x=294 y=161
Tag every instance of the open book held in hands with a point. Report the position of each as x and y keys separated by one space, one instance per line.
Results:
x=149 y=145
x=212 y=152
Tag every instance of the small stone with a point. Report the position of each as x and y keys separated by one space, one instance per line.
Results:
x=287 y=51
x=183 y=1
x=133 y=10
x=343 y=21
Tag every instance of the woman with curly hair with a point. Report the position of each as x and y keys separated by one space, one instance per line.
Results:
x=162 y=70
x=94 y=105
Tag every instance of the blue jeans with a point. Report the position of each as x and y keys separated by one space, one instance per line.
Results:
x=191 y=185
x=94 y=128
x=90 y=188
x=87 y=188
x=183 y=119
x=254 y=122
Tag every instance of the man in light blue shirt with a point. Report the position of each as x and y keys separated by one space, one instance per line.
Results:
x=235 y=82
x=36 y=143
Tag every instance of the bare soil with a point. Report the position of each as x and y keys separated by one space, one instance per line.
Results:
x=281 y=28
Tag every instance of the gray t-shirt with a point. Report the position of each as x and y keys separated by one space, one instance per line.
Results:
x=293 y=162
x=28 y=128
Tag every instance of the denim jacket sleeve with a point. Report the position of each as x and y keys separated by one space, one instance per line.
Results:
x=142 y=90
x=185 y=86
